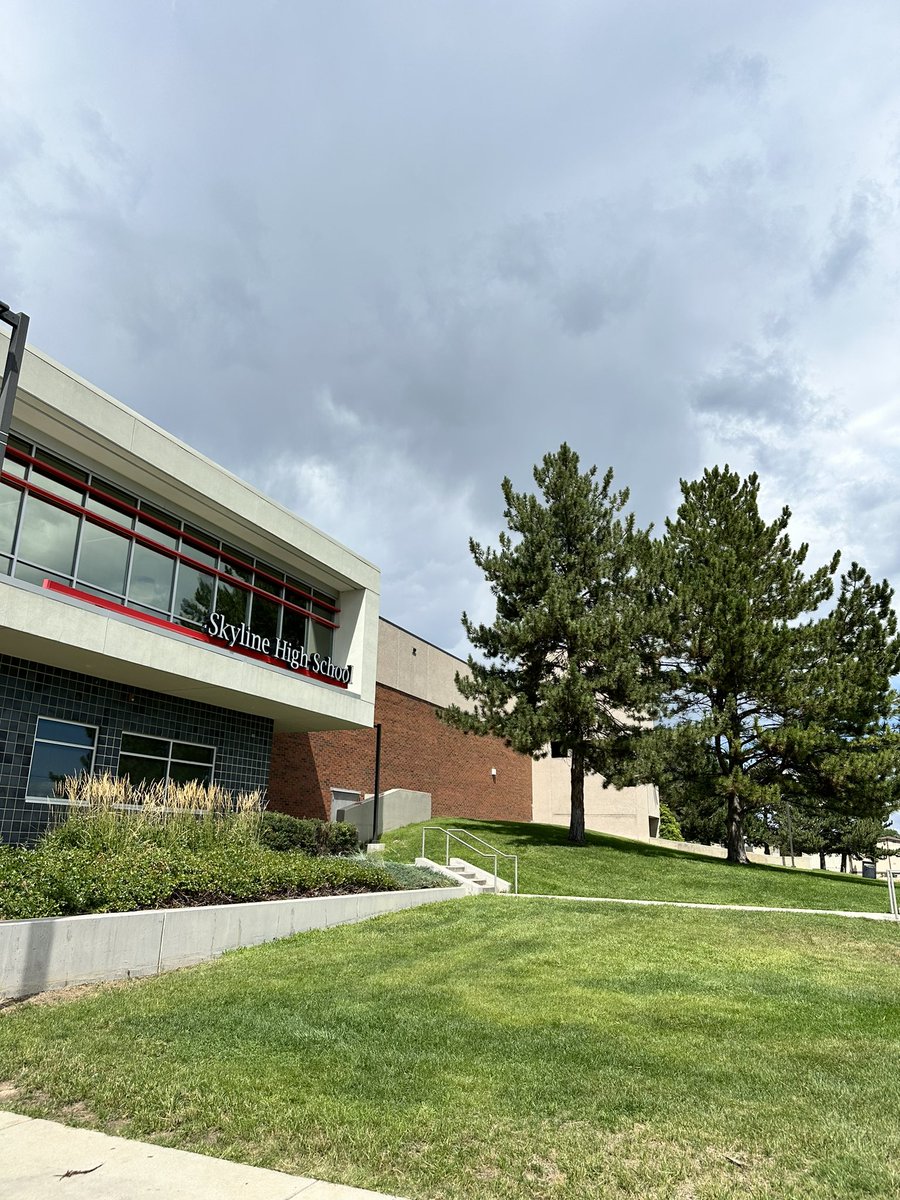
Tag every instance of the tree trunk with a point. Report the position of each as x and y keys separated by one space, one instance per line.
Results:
x=843 y=860
x=821 y=860
x=734 y=832
x=576 y=820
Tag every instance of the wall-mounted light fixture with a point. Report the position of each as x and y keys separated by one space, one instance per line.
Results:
x=494 y=774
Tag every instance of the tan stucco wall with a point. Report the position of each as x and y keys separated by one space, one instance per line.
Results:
x=622 y=811
x=416 y=667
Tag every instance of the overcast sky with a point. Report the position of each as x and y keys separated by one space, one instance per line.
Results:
x=374 y=256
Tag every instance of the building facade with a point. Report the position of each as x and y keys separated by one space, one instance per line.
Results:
x=466 y=775
x=159 y=618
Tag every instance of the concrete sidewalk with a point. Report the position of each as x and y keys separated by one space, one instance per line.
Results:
x=750 y=908
x=42 y=1158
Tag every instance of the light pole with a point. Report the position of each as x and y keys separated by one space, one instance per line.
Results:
x=375 y=841
x=19 y=323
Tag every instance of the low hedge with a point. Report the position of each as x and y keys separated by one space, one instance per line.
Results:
x=279 y=831
x=405 y=875
x=53 y=880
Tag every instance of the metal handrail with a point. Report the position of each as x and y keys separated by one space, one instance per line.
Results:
x=491 y=852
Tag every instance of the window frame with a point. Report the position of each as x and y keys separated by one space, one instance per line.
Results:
x=306 y=599
x=29 y=799
x=168 y=761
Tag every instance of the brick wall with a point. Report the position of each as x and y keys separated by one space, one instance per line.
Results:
x=417 y=751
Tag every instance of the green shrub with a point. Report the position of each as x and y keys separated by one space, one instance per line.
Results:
x=278 y=831
x=57 y=880
x=408 y=876
x=668 y=824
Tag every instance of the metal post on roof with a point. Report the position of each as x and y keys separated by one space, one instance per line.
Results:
x=10 y=381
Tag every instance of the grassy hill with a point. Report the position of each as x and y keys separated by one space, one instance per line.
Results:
x=487 y=1049
x=625 y=869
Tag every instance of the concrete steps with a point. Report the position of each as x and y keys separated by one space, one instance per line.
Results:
x=475 y=880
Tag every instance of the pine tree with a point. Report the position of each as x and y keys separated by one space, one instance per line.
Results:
x=569 y=657
x=739 y=647
x=840 y=747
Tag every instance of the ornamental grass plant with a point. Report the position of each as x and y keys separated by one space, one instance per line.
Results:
x=108 y=813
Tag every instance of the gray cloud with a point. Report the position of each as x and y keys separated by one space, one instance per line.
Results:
x=764 y=386
x=375 y=259
x=851 y=239
x=745 y=73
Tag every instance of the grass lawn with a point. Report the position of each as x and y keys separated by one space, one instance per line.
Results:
x=618 y=867
x=492 y=1049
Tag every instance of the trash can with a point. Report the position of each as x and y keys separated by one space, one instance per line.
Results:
x=868 y=870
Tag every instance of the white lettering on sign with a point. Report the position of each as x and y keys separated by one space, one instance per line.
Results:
x=295 y=657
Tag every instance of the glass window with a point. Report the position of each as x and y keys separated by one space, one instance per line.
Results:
x=48 y=535
x=10 y=502
x=67 y=732
x=187 y=752
x=40 y=539
x=193 y=544
x=160 y=514
x=116 y=597
x=161 y=536
x=50 y=483
x=149 y=759
x=60 y=464
x=107 y=506
x=137 y=743
x=56 y=486
x=103 y=558
x=37 y=575
x=193 y=595
x=241 y=568
x=151 y=578
x=186 y=772
x=264 y=613
x=321 y=639
x=12 y=467
x=142 y=770
x=231 y=602
x=61 y=748
x=264 y=616
x=293 y=628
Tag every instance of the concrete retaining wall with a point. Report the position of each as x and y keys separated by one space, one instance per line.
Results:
x=54 y=952
x=397 y=807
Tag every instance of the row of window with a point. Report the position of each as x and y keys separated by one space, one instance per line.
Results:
x=62 y=523
x=64 y=748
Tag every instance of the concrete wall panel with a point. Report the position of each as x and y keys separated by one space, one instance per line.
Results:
x=56 y=952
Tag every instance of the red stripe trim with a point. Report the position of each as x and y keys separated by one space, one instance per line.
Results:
x=74 y=482
x=196 y=635
x=96 y=519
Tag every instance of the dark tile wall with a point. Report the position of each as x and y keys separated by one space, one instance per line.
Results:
x=30 y=690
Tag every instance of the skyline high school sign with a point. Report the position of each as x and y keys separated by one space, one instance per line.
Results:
x=295 y=658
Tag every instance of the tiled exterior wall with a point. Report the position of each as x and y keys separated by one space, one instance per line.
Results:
x=417 y=751
x=30 y=690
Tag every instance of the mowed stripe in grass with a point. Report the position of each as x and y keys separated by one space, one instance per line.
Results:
x=496 y=1050
x=624 y=869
